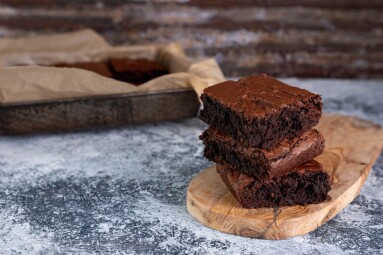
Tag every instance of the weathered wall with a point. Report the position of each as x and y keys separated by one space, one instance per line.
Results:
x=304 y=38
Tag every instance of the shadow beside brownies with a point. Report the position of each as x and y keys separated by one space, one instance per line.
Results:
x=134 y=71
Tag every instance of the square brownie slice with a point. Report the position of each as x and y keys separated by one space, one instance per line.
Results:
x=259 y=110
x=307 y=184
x=262 y=164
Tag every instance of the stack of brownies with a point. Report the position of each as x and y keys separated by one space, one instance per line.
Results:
x=261 y=136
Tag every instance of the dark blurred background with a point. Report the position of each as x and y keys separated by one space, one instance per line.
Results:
x=302 y=38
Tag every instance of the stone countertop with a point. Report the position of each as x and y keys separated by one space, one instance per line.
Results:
x=123 y=190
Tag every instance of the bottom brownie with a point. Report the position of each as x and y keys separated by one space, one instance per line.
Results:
x=307 y=184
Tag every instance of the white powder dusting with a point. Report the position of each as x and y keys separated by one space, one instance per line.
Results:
x=17 y=237
x=99 y=190
x=177 y=215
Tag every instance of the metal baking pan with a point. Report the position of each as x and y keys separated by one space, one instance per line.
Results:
x=97 y=111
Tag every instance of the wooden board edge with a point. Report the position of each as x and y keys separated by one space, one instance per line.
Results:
x=271 y=229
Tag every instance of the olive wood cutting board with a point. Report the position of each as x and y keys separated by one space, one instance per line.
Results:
x=352 y=146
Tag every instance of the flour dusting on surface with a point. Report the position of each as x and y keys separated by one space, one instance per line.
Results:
x=123 y=190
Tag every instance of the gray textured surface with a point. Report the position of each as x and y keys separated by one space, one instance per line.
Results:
x=123 y=191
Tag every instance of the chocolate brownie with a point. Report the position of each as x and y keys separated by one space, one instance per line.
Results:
x=136 y=71
x=259 y=110
x=101 y=68
x=262 y=164
x=308 y=184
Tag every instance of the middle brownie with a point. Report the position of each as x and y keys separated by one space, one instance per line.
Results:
x=225 y=150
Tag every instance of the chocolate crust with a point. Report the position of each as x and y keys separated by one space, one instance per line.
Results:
x=262 y=164
x=260 y=111
x=307 y=184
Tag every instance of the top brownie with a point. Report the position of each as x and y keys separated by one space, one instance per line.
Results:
x=259 y=110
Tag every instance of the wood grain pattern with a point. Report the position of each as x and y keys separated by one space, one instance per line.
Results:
x=352 y=146
x=337 y=38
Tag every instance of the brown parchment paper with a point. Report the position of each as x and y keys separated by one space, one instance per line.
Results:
x=38 y=82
